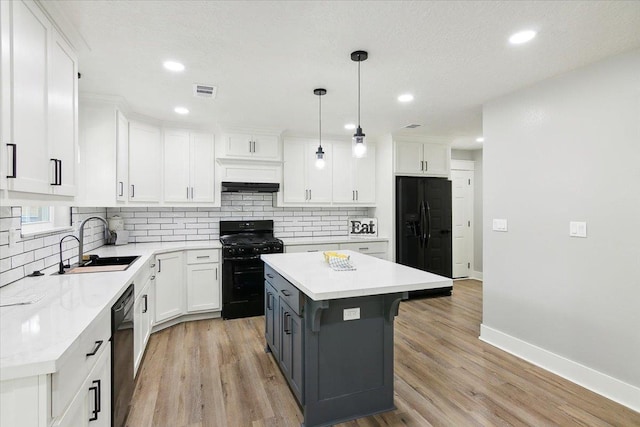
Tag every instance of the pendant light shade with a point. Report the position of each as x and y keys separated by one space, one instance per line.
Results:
x=320 y=162
x=359 y=148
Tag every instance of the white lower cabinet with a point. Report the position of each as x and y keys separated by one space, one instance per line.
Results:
x=92 y=405
x=142 y=321
x=169 y=301
x=187 y=282
x=203 y=281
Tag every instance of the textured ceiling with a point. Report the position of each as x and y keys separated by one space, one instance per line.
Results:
x=267 y=57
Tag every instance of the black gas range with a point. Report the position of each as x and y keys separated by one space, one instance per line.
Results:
x=242 y=270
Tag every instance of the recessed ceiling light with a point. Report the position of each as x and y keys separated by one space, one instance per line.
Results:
x=480 y=139
x=350 y=126
x=407 y=97
x=181 y=110
x=522 y=37
x=173 y=66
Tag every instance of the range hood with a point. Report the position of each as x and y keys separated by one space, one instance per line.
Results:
x=250 y=187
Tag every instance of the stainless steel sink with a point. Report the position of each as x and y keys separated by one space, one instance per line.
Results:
x=103 y=264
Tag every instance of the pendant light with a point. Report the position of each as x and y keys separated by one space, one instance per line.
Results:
x=359 y=149
x=320 y=162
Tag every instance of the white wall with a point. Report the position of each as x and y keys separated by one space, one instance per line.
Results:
x=567 y=149
x=385 y=193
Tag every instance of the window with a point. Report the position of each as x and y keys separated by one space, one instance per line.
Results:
x=44 y=219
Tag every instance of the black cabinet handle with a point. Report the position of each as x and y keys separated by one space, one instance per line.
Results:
x=357 y=196
x=159 y=265
x=96 y=348
x=56 y=172
x=14 y=160
x=144 y=310
x=187 y=192
x=426 y=165
x=60 y=172
x=216 y=273
x=286 y=293
x=133 y=191
x=121 y=191
x=269 y=306
x=269 y=276
x=96 y=400
x=286 y=324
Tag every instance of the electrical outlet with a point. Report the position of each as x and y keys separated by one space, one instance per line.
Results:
x=351 y=314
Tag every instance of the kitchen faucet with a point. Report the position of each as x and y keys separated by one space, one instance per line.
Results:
x=107 y=235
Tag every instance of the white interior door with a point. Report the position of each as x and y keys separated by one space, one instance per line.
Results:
x=462 y=196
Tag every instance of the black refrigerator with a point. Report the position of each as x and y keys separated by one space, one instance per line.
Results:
x=423 y=227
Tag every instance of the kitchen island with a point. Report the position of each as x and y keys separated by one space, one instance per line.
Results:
x=331 y=332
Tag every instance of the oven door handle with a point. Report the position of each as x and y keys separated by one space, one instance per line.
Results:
x=251 y=258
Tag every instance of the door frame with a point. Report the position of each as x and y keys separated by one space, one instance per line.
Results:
x=465 y=165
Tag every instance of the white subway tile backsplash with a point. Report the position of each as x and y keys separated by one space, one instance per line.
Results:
x=42 y=251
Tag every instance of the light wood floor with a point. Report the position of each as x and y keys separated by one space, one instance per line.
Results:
x=216 y=373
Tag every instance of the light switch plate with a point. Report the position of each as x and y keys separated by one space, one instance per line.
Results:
x=351 y=313
x=500 y=225
x=577 y=229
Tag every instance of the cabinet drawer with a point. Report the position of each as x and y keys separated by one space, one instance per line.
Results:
x=312 y=248
x=286 y=290
x=365 y=247
x=202 y=256
x=82 y=357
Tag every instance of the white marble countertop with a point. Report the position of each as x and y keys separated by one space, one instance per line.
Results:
x=309 y=272
x=34 y=337
x=291 y=241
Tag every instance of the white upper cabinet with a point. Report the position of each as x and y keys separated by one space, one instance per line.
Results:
x=303 y=183
x=39 y=103
x=188 y=166
x=421 y=158
x=145 y=171
x=252 y=146
x=354 y=180
x=122 y=157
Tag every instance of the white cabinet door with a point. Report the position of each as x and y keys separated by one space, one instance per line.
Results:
x=318 y=180
x=408 y=157
x=142 y=324
x=266 y=147
x=365 y=178
x=294 y=187
x=343 y=163
x=303 y=182
x=436 y=159
x=63 y=114
x=144 y=162
x=177 y=187
x=122 y=157
x=28 y=95
x=238 y=145
x=92 y=404
x=256 y=146
x=202 y=167
x=169 y=288
x=203 y=287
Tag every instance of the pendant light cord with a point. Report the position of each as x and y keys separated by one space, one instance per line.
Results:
x=320 y=120
x=359 y=93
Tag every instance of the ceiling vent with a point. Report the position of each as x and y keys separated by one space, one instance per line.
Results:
x=412 y=126
x=204 y=91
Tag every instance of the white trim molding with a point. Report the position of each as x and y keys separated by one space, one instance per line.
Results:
x=598 y=382
x=477 y=275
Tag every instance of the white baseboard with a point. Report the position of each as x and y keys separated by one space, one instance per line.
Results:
x=476 y=275
x=185 y=318
x=609 y=387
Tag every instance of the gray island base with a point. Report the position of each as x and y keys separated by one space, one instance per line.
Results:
x=336 y=353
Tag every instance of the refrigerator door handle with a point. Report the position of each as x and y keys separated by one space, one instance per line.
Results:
x=423 y=224
x=428 y=233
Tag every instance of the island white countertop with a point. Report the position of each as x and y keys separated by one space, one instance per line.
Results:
x=309 y=272
x=34 y=337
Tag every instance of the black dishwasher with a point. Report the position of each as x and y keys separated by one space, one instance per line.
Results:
x=122 y=357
